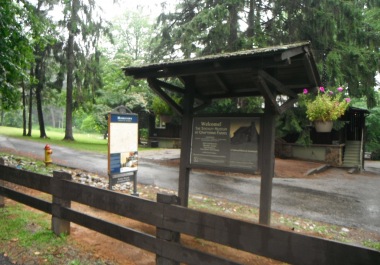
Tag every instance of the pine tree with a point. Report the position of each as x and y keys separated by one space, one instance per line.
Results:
x=84 y=26
x=346 y=32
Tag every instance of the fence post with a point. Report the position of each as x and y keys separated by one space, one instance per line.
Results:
x=2 y=201
x=59 y=225
x=165 y=234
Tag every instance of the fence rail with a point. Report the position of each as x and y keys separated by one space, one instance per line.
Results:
x=170 y=221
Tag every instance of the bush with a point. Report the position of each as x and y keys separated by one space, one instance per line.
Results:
x=144 y=133
x=13 y=119
x=89 y=125
x=375 y=155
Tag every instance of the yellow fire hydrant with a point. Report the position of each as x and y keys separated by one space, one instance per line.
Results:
x=48 y=153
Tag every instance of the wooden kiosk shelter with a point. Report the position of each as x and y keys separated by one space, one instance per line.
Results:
x=268 y=72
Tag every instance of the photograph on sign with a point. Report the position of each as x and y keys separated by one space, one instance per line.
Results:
x=129 y=161
x=225 y=142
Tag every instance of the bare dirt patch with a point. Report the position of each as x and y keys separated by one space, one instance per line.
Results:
x=284 y=168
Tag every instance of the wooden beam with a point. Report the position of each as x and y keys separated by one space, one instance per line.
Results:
x=165 y=234
x=23 y=198
x=222 y=82
x=278 y=85
x=203 y=67
x=170 y=87
x=288 y=54
x=203 y=105
x=237 y=94
x=128 y=235
x=283 y=245
x=155 y=86
x=2 y=201
x=270 y=98
x=267 y=137
x=287 y=105
x=27 y=179
x=117 y=203
x=59 y=225
x=312 y=72
x=187 y=124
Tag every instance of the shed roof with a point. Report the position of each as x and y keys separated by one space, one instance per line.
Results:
x=270 y=71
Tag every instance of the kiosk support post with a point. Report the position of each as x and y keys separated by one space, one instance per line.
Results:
x=184 y=170
x=267 y=163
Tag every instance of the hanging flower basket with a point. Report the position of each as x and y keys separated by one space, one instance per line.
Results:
x=325 y=107
x=323 y=126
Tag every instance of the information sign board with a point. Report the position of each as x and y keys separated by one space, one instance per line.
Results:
x=227 y=142
x=122 y=146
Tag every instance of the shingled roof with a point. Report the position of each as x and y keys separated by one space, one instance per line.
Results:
x=271 y=71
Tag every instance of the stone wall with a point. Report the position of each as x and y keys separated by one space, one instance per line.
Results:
x=329 y=154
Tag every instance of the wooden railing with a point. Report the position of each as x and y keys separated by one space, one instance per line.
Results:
x=171 y=220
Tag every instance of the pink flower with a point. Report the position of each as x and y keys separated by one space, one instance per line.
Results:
x=348 y=100
x=331 y=93
x=305 y=91
x=322 y=89
x=340 y=89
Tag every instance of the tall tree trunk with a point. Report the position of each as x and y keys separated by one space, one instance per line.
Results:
x=251 y=19
x=40 y=74
x=40 y=112
x=23 y=109
x=30 y=106
x=69 y=89
x=233 y=23
x=2 y=116
x=30 y=111
x=72 y=27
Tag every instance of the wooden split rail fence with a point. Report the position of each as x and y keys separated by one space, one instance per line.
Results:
x=171 y=220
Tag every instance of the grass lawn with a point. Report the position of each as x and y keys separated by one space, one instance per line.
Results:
x=83 y=141
x=88 y=142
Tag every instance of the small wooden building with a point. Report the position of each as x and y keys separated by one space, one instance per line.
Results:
x=340 y=148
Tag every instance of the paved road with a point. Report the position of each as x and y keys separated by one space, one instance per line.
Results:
x=352 y=201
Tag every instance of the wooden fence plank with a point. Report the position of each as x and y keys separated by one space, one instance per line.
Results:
x=183 y=254
x=274 y=243
x=171 y=250
x=110 y=201
x=58 y=224
x=165 y=234
x=26 y=178
x=2 y=201
x=26 y=199
x=127 y=235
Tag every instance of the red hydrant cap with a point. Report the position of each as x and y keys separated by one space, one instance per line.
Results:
x=47 y=147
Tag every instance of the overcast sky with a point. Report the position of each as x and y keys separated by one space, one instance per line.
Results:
x=151 y=8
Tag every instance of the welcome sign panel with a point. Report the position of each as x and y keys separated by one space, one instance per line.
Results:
x=226 y=142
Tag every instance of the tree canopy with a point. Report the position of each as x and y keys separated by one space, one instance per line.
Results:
x=345 y=32
x=67 y=61
x=15 y=51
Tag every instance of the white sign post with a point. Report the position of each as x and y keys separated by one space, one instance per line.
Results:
x=122 y=148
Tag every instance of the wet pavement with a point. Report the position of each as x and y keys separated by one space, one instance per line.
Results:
x=341 y=199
